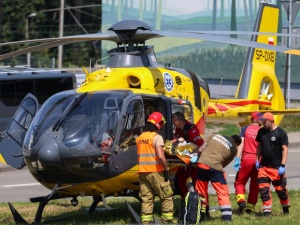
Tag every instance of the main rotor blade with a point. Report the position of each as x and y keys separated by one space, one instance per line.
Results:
x=140 y=37
x=224 y=39
x=35 y=48
x=225 y=32
x=110 y=36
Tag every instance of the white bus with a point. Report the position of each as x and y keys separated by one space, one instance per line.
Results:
x=17 y=82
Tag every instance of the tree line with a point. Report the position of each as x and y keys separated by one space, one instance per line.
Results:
x=45 y=24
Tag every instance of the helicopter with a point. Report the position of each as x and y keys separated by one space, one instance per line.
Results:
x=82 y=141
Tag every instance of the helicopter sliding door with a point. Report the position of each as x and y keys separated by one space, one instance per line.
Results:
x=12 y=139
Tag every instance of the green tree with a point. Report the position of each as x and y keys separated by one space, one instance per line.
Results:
x=45 y=24
x=13 y=14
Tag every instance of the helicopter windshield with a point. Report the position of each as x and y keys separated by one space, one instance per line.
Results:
x=95 y=117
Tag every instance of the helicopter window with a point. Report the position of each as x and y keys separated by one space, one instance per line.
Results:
x=8 y=93
x=111 y=103
x=135 y=115
x=22 y=119
x=134 y=122
x=185 y=109
x=156 y=104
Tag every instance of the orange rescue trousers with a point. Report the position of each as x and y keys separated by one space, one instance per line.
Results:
x=266 y=175
x=218 y=181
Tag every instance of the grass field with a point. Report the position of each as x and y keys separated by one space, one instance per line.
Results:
x=61 y=212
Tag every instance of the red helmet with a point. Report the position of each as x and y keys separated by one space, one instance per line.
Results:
x=157 y=119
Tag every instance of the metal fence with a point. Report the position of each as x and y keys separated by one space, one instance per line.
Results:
x=29 y=62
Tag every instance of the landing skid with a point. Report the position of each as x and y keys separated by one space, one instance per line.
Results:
x=38 y=216
x=17 y=217
x=96 y=200
x=43 y=202
x=135 y=219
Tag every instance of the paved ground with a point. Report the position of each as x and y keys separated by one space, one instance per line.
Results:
x=294 y=139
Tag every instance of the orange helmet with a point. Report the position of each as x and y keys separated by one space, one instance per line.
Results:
x=157 y=119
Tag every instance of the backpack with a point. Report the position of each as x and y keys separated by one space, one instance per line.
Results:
x=192 y=209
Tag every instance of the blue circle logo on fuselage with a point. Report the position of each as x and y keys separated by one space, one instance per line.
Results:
x=168 y=81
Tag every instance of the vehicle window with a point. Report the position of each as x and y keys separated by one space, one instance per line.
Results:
x=44 y=88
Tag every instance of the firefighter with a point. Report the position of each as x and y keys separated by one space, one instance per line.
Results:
x=153 y=171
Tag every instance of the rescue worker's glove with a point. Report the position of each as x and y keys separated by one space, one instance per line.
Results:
x=281 y=169
x=257 y=164
x=194 y=159
x=237 y=163
x=166 y=175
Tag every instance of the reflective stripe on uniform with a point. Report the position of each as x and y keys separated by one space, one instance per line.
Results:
x=146 y=155
x=226 y=210
x=196 y=138
x=267 y=208
x=148 y=163
x=147 y=218
x=167 y=216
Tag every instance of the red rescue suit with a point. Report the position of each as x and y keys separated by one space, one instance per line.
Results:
x=190 y=133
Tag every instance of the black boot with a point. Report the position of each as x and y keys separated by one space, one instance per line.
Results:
x=242 y=206
x=207 y=215
x=285 y=209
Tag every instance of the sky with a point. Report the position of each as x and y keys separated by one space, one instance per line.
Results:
x=179 y=7
x=184 y=7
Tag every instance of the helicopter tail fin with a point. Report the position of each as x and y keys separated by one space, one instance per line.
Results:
x=258 y=81
x=258 y=88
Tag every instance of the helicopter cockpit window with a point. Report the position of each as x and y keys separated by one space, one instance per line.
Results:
x=80 y=117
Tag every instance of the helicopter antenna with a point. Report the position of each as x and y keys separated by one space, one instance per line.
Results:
x=219 y=89
x=96 y=63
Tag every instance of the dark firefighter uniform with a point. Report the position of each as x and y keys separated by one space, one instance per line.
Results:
x=219 y=152
x=190 y=133
x=151 y=178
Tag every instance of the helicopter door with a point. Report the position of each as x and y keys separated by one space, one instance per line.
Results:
x=133 y=123
x=11 y=141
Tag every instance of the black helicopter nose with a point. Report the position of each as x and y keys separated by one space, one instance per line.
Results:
x=49 y=152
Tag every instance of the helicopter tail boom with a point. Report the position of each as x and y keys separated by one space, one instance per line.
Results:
x=258 y=88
